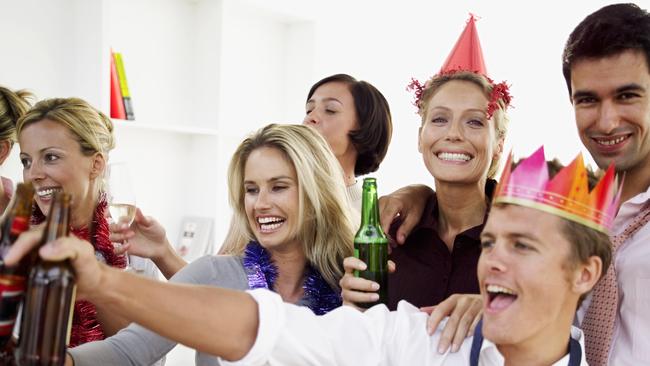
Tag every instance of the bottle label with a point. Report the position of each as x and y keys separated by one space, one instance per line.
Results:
x=19 y=225
x=12 y=289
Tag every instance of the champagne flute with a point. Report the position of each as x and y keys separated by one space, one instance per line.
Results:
x=121 y=197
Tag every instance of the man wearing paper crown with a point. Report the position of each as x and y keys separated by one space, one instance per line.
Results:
x=461 y=137
x=544 y=247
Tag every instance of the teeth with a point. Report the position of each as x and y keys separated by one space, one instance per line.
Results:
x=612 y=142
x=453 y=156
x=47 y=191
x=268 y=227
x=266 y=220
x=499 y=289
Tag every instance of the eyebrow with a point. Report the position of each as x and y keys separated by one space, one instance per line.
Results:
x=329 y=99
x=485 y=236
x=630 y=87
x=466 y=110
x=274 y=179
x=622 y=89
x=43 y=149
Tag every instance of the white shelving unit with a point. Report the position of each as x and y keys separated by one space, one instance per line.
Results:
x=202 y=75
x=125 y=126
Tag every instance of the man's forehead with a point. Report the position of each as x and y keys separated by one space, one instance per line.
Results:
x=626 y=66
x=515 y=220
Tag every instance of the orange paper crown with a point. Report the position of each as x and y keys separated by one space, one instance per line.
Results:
x=566 y=195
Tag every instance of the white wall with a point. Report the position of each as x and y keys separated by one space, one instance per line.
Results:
x=236 y=65
x=388 y=42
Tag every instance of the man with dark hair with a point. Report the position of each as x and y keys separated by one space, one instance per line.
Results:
x=606 y=64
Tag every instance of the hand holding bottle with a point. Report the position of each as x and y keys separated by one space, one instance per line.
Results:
x=80 y=253
x=356 y=289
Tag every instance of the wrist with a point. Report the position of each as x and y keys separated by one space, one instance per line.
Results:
x=163 y=252
x=169 y=262
x=104 y=287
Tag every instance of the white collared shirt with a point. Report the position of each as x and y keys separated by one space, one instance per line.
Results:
x=293 y=335
x=631 y=337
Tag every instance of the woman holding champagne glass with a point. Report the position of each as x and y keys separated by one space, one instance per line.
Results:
x=290 y=231
x=354 y=118
x=64 y=145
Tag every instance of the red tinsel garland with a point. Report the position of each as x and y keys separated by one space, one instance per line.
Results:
x=85 y=326
x=500 y=91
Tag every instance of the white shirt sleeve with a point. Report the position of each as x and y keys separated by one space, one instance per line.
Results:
x=293 y=335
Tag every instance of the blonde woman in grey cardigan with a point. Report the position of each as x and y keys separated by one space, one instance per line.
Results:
x=290 y=231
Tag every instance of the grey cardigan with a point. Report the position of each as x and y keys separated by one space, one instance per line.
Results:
x=136 y=345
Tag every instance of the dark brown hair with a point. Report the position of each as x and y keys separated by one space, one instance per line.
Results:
x=372 y=138
x=609 y=31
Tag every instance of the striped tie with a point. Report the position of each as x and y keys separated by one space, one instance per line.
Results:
x=598 y=324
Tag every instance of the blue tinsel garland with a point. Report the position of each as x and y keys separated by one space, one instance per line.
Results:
x=262 y=273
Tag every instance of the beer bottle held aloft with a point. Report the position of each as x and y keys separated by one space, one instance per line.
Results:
x=49 y=299
x=371 y=244
x=13 y=279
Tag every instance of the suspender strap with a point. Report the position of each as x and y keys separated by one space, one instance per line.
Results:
x=575 y=352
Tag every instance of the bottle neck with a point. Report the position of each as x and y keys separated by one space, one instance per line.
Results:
x=57 y=222
x=369 y=206
x=17 y=219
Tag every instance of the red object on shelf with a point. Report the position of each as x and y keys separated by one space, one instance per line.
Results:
x=117 y=104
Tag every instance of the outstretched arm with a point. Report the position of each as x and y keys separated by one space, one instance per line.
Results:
x=187 y=314
x=252 y=329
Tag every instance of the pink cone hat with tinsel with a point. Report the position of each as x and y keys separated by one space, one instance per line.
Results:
x=566 y=195
x=467 y=55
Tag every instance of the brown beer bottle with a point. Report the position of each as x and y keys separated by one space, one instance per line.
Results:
x=49 y=301
x=13 y=279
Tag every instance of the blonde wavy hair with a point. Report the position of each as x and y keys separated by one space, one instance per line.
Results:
x=325 y=226
x=13 y=104
x=92 y=129
x=500 y=117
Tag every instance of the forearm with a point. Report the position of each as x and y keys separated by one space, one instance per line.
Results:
x=212 y=320
x=111 y=322
x=419 y=191
x=169 y=262
x=132 y=346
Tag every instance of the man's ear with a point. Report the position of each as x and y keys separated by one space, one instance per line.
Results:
x=98 y=165
x=586 y=275
x=5 y=150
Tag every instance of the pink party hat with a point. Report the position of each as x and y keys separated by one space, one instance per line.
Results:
x=467 y=54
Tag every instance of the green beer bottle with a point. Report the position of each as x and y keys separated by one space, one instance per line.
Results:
x=371 y=244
